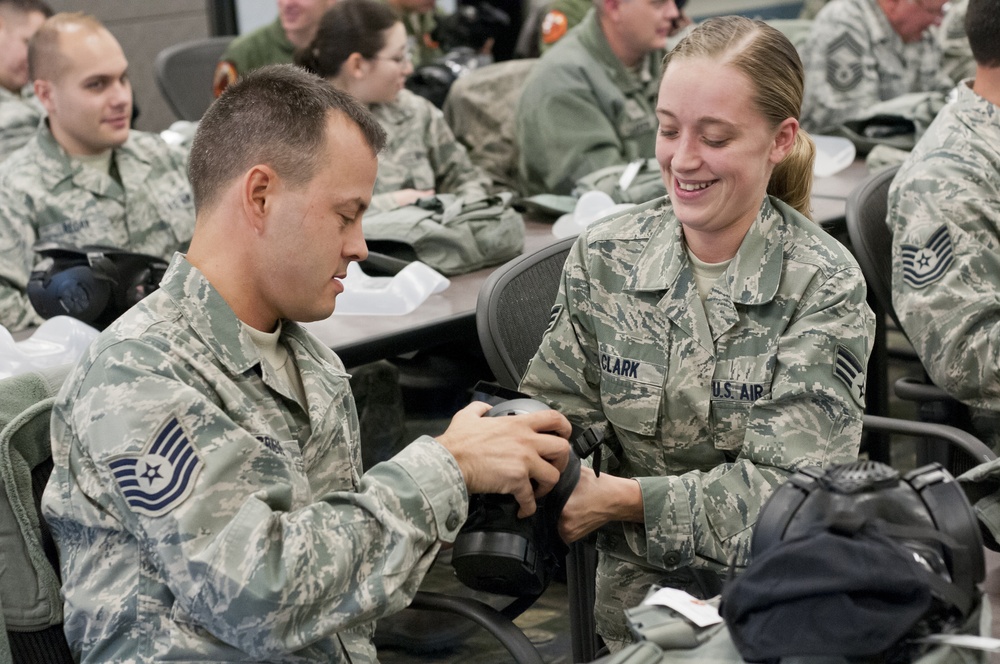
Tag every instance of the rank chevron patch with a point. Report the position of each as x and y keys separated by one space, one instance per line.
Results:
x=925 y=265
x=162 y=477
x=850 y=371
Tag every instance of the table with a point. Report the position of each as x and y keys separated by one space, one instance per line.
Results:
x=444 y=317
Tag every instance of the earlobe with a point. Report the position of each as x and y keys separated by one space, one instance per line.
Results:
x=43 y=92
x=256 y=195
x=784 y=140
x=355 y=65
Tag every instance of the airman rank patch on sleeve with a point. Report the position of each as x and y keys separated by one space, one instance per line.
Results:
x=553 y=317
x=843 y=63
x=163 y=476
x=851 y=373
x=925 y=265
x=554 y=26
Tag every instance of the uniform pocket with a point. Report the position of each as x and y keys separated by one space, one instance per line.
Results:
x=729 y=423
x=631 y=390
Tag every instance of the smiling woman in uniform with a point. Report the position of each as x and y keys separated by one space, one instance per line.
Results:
x=719 y=335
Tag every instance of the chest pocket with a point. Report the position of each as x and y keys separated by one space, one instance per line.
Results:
x=731 y=404
x=632 y=387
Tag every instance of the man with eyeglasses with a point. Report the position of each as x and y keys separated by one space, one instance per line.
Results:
x=861 y=52
x=590 y=101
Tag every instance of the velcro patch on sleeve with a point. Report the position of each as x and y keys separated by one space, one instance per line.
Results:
x=163 y=475
x=554 y=27
x=225 y=75
x=843 y=63
x=924 y=265
x=849 y=370
x=553 y=317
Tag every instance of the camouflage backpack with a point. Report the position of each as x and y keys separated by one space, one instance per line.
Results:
x=450 y=233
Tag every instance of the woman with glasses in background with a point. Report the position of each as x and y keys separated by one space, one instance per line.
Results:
x=361 y=47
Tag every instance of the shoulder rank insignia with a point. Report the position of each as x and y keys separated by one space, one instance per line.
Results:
x=925 y=265
x=851 y=372
x=163 y=475
x=843 y=63
x=553 y=317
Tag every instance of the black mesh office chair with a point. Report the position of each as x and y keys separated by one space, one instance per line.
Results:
x=184 y=75
x=511 y=316
x=513 y=309
x=872 y=243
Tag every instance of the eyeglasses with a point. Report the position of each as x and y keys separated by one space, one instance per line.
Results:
x=404 y=58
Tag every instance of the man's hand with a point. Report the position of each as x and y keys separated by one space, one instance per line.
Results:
x=597 y=500
x=509 y=454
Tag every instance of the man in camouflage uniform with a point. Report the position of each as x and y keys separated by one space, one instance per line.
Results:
x=85 y=177
x=208 y=501
x=589 y=102
x=707 y=405
x=271 y=44
x=944 y=213
x=860 y=52
x=20 y=112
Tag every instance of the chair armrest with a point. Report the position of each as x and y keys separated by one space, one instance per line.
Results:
x=912 y=389
x=974 y=447
x=501 y=627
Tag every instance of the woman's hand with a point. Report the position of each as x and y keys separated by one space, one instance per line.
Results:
x=597 y=500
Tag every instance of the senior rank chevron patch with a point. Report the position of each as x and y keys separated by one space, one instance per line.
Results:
x=925 y=265
x=162 y=477
x=850 y=371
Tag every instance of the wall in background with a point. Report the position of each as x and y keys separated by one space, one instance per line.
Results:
x=144 y=29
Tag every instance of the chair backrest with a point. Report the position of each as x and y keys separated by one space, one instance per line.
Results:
x=513 y=309
x=184 y=75
x=29 y=575
x=870 y=236
x=511 y=316
x=480 y=109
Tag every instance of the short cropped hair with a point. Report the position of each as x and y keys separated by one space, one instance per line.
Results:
x=45 y=61
x=276 y=115
x=350 y=26
x=982 y=25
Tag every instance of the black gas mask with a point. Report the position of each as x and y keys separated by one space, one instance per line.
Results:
x=93 y=283
x=496 y=551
